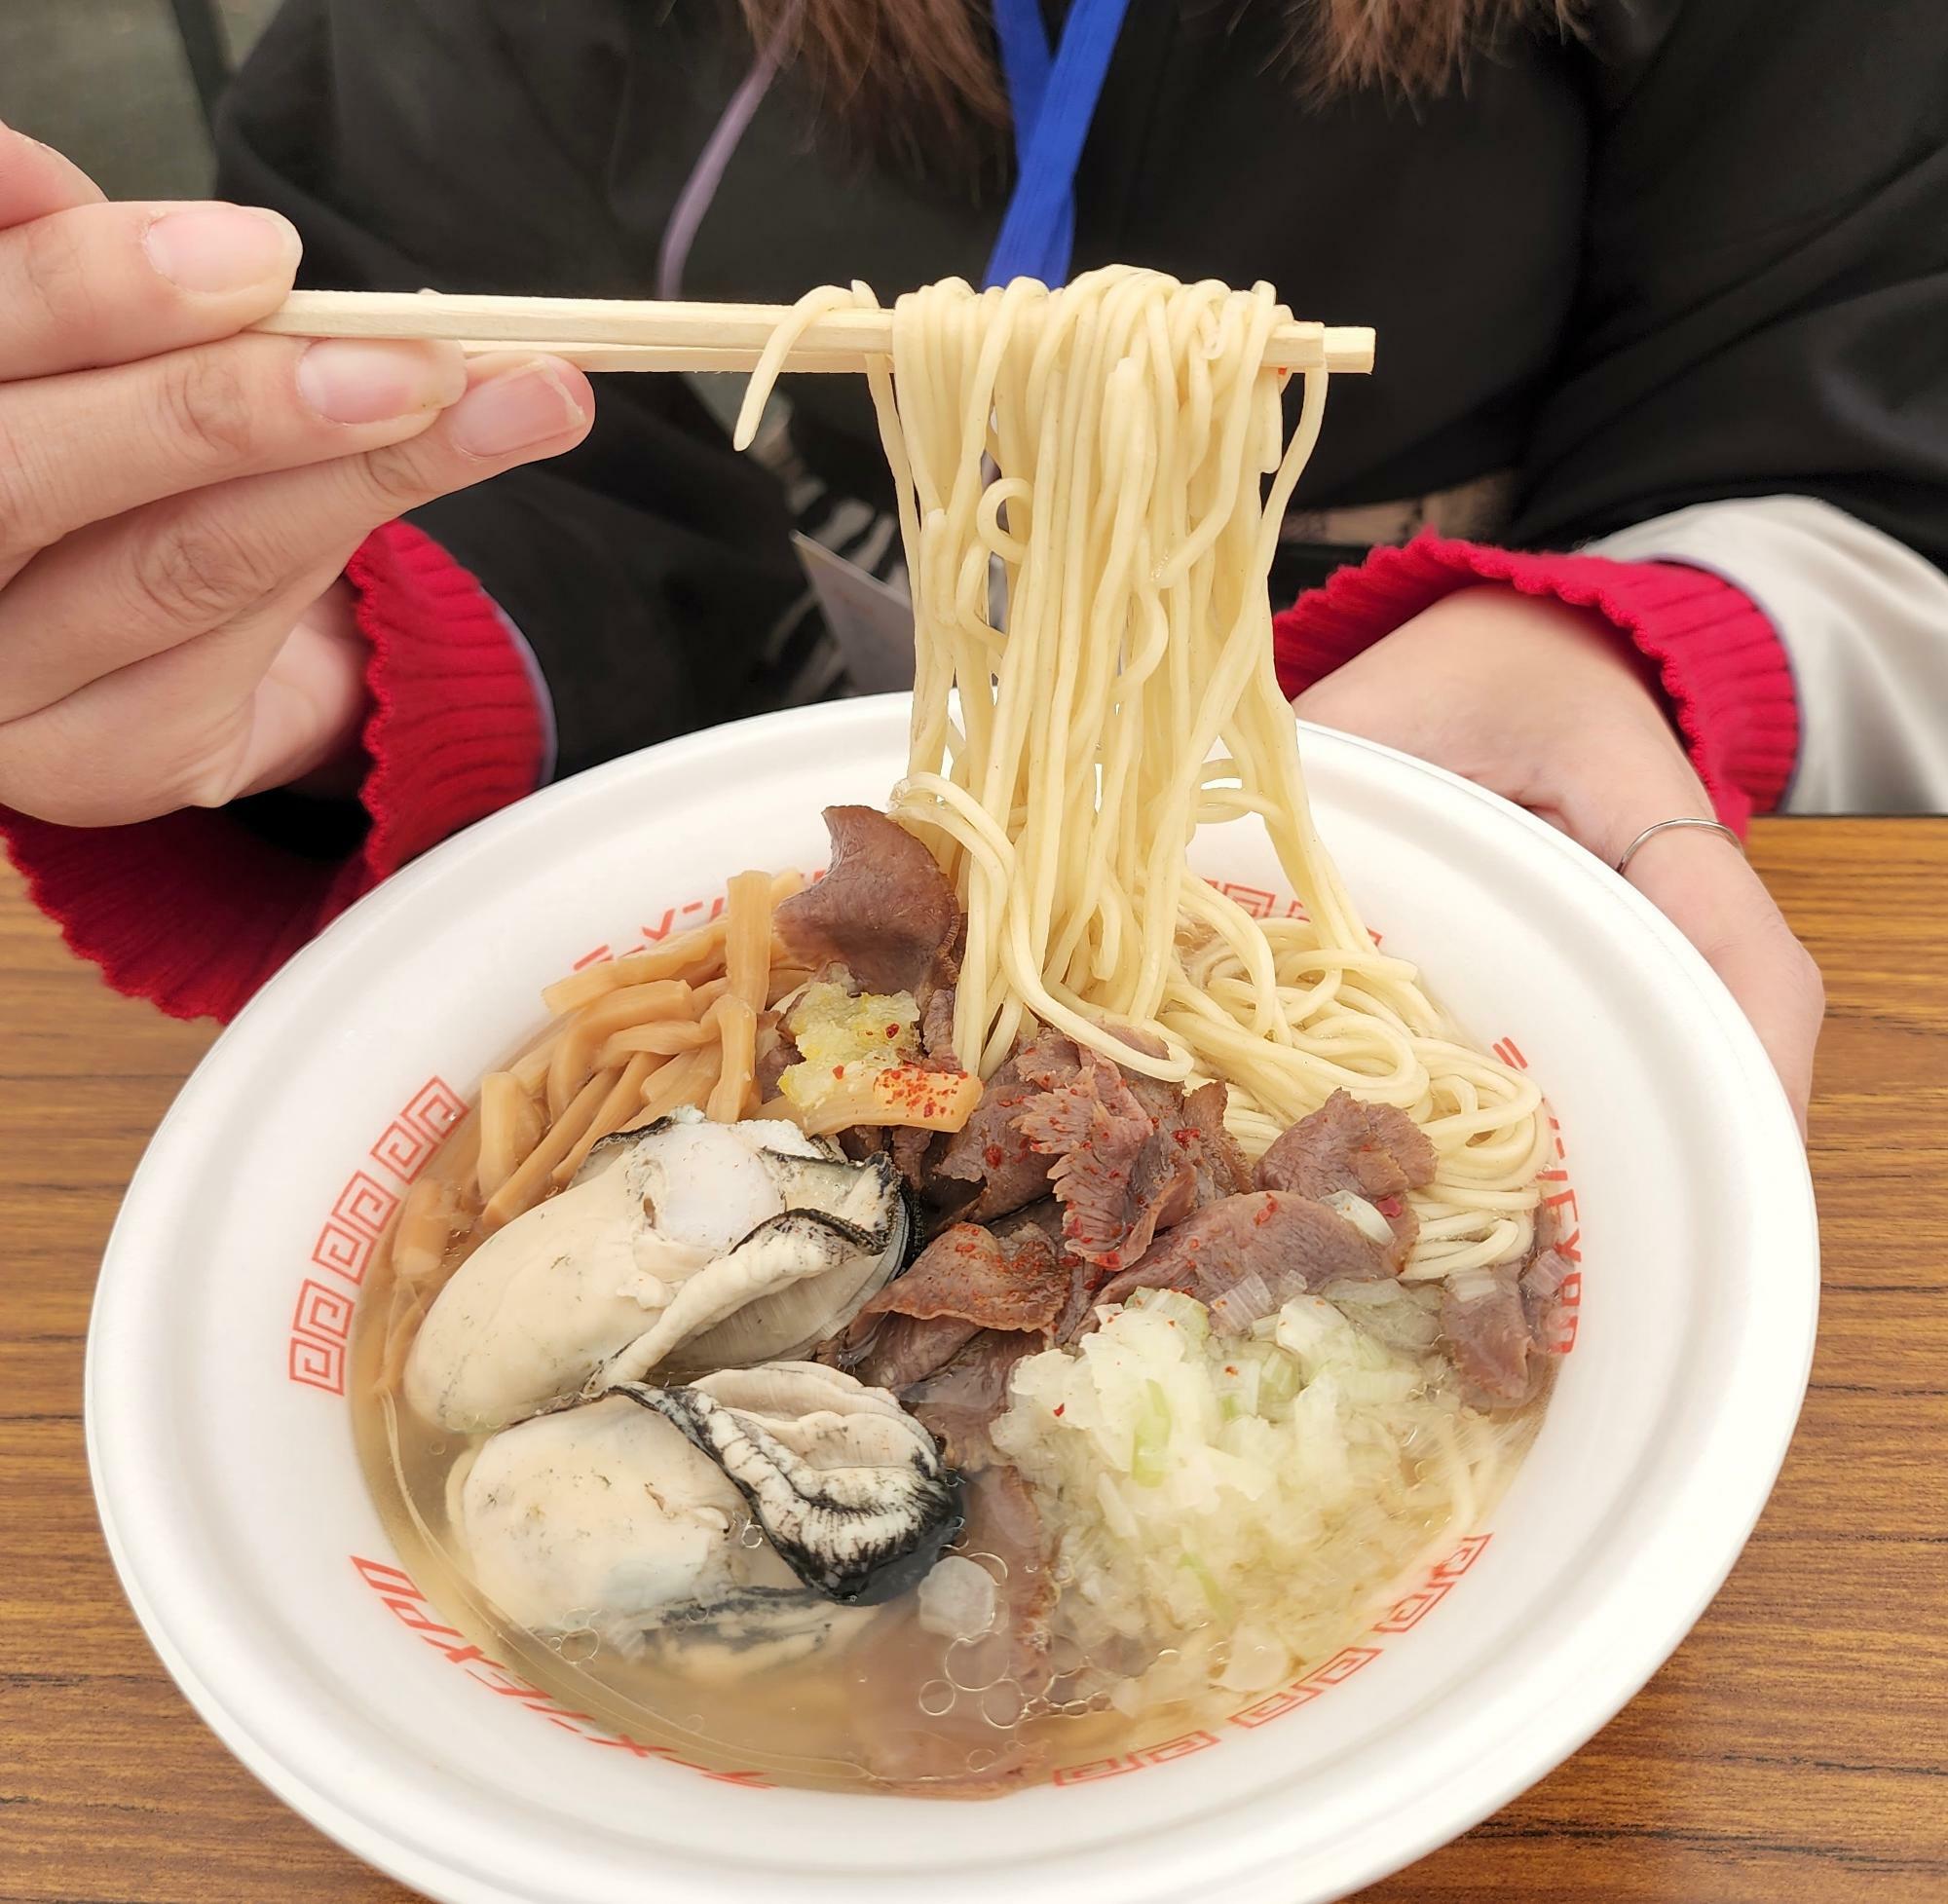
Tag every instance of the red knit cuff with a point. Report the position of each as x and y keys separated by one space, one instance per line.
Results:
x=1721 y=665
x=455 y=733
x=194 y=911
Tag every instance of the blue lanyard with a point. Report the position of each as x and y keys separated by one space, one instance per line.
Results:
x=1053 y=99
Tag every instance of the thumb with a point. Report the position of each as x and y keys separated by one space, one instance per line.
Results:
x=1715 y=899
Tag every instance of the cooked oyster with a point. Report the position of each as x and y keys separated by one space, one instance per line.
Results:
x=745 y=1519
x=848 y=1488
x=680 y=1247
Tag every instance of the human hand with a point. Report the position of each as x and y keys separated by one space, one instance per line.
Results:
x=1542 y=704
x=177 y=499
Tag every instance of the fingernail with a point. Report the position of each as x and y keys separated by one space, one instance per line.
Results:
x=213 y=248
x=509 y=413
x=358 y=380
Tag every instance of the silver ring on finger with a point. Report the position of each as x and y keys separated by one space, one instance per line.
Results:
x=1631 y=851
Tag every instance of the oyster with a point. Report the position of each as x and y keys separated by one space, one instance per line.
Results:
x=744 y=1520
x=680 y=1247
x=848 y=1488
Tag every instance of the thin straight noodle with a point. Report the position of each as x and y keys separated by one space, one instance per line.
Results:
x=1116 y=452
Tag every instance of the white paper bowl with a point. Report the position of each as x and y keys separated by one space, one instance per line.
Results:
x=223 y=1456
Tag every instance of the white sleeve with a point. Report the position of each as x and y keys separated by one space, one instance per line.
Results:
x=1865 y=624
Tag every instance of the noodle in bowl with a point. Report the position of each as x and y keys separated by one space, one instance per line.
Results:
x=239 y=1516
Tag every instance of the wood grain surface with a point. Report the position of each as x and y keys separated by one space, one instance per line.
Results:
x=1796 y=1747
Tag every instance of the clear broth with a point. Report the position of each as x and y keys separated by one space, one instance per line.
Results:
x=895 y=1708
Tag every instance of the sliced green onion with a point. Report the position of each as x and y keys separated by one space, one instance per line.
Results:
x=1219 y=1600
x=1149 y=1455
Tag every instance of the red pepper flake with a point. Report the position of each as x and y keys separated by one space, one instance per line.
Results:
x=1061 y=1406
x=893 y=1031
x=991 y=1156
x=1231 y=1368
x=1184 y=1137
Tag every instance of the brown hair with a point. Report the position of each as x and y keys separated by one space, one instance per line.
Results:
x=889 y=65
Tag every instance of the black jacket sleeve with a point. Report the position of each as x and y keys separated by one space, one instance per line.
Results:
x=1763 y=305
x=419 y=143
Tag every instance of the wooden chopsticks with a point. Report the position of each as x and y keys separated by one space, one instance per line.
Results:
x=620 y=334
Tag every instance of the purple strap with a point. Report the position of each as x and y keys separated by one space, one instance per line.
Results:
x=693 y=201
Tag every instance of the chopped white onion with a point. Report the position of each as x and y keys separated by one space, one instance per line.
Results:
x=1248 y=1300
x=1244 y=1494
x=1361 y=1215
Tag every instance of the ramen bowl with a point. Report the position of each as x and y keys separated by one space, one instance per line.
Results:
x=221 y=1434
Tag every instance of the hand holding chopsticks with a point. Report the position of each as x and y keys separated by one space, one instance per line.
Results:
x=620 y=334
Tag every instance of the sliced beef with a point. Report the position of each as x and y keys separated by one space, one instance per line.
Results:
x=1248 y=1256
x=958 y=1402
x=990 y=1153
x=1191 y=1159
x=861 y=1142
x=1373 y=1150
x=776 y=1055
x=971 y=1272
x=1498 y=1333
x=945 y=1335
x=1125 y=1155
x=1043 y=1217
x=936 y=1021
x=1196 y=1126
x=1113 y=1171
x=1146 y=1044
x=885 y=909
x=1376 y=1151
x=894 y=1352
x=911 y=1147
x=1082 y=1282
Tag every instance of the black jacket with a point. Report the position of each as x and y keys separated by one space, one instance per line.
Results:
x=1702 y=253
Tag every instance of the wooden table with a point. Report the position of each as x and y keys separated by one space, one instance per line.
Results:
x=1795 y=1748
